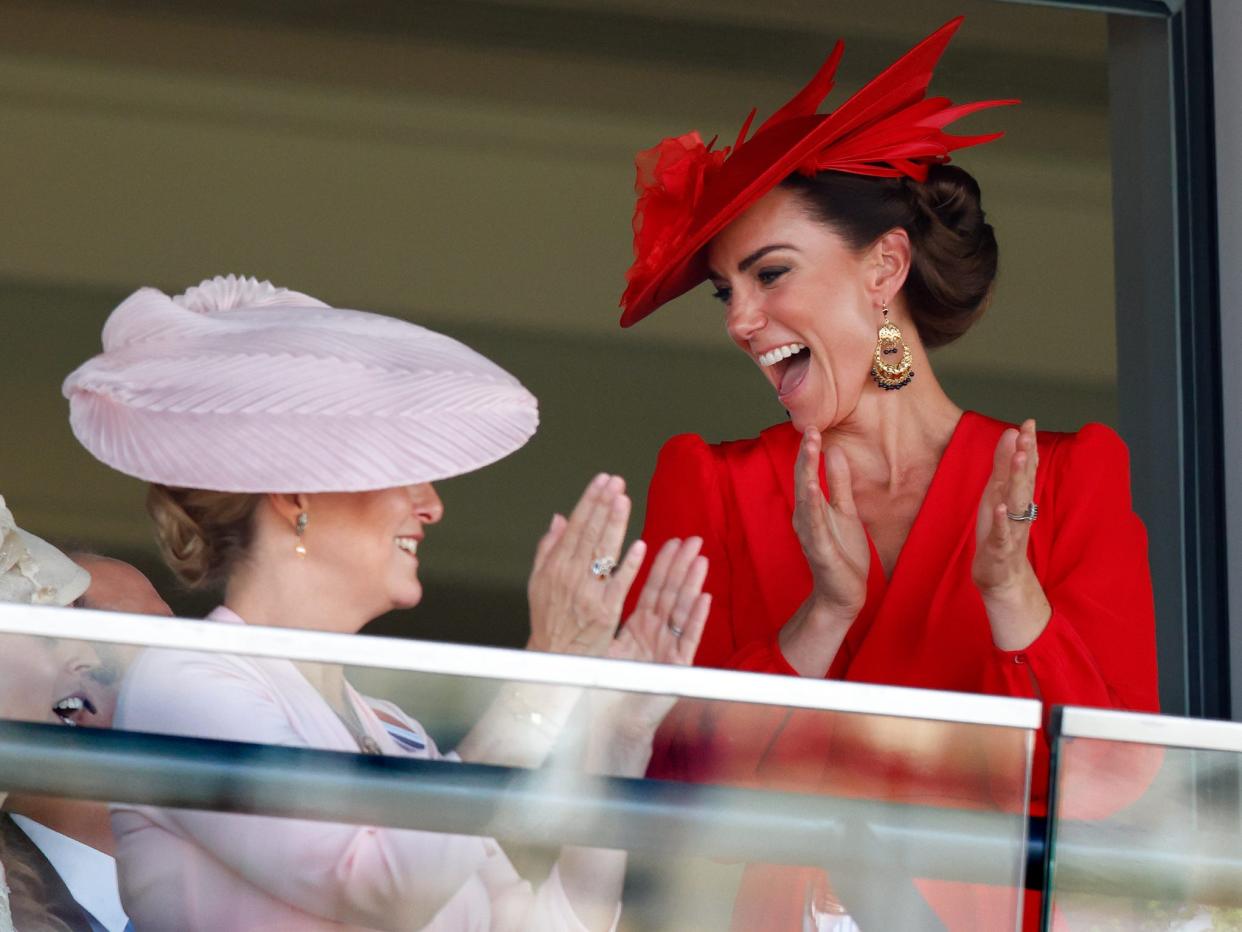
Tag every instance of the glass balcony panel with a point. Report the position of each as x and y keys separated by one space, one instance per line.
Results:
x=829 y=803
x=1148 y=826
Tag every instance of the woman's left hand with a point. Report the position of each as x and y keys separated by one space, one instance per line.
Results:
x=672 y=609
x=1015 y=600
x=665 y=627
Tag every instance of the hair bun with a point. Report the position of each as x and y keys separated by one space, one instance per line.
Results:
x=953 y=265
x=202 y=535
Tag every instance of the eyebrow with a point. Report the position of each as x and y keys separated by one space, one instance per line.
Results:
x=755 y=257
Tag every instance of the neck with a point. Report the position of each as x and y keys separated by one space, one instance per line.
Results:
x=282 y=591
x=80 y=820
x=891 y=434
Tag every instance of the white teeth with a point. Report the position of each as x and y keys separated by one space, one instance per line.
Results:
x=773 y=356
x=66 y=708
x=408 y=544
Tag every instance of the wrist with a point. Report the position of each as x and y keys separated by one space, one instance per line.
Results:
x=1018 y=611
x=1014 y=592
x=823 y=611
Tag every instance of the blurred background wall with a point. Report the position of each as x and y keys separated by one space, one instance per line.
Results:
x=469 y=166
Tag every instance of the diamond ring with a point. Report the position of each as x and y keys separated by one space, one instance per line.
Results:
x=1031 y=513
x=602 y=567
x=677 y=632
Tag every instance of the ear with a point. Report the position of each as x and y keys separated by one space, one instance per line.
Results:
x=288 y=506
x=888 y=263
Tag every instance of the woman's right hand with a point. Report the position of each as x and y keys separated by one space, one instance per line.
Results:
x=831 y=533
x=572 y=611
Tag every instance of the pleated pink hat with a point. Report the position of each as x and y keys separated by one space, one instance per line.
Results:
x=240 y=386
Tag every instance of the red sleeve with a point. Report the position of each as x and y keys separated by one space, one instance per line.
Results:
x=687 y=498
x=1099 y=647
x=705 y=742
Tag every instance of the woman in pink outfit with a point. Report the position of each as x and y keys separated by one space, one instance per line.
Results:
x=291 y=449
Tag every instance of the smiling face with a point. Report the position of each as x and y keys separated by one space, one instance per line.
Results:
x=802 y=304
x=366 y=543
x=48 y=680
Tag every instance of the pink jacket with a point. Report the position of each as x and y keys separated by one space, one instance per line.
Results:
x=183 y=869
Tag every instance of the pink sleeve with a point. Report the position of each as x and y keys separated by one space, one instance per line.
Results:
x=359 y=875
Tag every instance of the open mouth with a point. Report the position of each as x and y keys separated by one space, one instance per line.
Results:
x=408 y=544
x=787 y=366
x=73 y=709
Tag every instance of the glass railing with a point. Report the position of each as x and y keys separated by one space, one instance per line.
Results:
x=772 y=802
x=1147 y=827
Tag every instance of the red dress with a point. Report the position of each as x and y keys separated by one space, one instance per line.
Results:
x=926 y=626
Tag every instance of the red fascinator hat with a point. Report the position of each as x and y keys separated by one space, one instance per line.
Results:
x=688 y=191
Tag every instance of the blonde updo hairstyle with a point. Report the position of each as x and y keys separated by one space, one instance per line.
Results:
x=202 y=535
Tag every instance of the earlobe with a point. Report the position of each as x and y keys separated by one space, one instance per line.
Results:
x=287 y=505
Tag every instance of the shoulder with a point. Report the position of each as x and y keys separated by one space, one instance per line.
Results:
x=1094 y=450
x=690 y=452
x=1092 y=444
x=164 y=687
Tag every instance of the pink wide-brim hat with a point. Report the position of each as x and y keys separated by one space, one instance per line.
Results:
x=239 y=386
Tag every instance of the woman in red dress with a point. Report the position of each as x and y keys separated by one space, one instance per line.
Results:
x=882 y=534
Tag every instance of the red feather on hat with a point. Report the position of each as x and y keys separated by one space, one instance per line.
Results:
x=687 y=193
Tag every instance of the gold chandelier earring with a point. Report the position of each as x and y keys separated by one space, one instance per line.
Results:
x=300 y=529
x=889 y=342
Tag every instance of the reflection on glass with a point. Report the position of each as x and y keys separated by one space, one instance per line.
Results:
x=1147 y=837
x=888 y=822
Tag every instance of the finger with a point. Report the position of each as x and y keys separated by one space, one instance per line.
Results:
x=626 y=572
x=617 y=519
x=1029 y=444
x=587 y=502
x=549 y=539
x=677 y=571
x=688 y=592
x=1021 y=486
x=1003 y=456
x=589 y=542
x=998 y=535
x=650 y=595
x=840 y=484
x=692 y=630
x=806 y=469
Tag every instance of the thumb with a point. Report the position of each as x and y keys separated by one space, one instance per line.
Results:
x=840 y=483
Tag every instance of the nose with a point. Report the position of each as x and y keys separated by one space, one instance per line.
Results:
x=426 y=503
x=77 y=657
x=745 y=318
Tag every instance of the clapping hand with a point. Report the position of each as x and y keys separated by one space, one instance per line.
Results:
x=574 y=610
x=672 y=609
x=665 y=627
x=1013 y=596
x=831 y=533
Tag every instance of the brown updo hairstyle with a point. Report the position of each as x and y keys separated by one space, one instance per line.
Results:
x=202 y=535
x=953 y=249
x=27 y=897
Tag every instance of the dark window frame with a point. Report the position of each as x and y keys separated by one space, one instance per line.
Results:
x=1168 y=329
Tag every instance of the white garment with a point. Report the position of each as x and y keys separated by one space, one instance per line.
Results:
x=89 y=875
x=6 y=918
